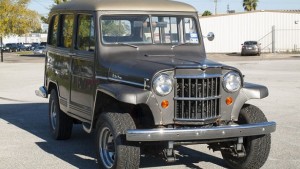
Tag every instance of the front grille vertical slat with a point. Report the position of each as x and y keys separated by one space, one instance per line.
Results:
x=202 y=87
x=188 y=89
x=196 y=88
x=189 y=84
x=206 y=87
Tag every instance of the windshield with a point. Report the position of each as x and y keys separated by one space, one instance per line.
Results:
x=250 y=43
x=149 y=30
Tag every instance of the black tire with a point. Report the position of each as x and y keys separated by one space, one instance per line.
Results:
x=113 y=151
x=60 y=123
x=257 y=147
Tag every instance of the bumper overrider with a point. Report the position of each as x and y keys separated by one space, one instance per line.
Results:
x=42 y=92
x=221 y=132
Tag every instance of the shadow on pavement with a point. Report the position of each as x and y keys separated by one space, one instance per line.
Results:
x=79 y=151
x=32 y=55
x=33 y=118
x=233 y=54
x=186 y=156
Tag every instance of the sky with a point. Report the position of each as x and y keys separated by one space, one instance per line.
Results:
x=43 y=6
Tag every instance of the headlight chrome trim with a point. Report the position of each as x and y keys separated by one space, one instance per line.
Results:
x=228 y=77
x=163 y=77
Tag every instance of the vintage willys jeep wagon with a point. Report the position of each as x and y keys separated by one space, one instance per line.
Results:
x=136 y=73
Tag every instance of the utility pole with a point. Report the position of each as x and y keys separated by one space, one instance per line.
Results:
x=1 y=49
x=216 y=6
x=228 y=9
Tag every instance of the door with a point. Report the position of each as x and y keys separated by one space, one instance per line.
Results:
x=82 y=76
x=59 y=46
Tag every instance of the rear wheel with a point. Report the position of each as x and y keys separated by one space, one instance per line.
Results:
x=113 y=151
x=60 y=123
x=257 y=147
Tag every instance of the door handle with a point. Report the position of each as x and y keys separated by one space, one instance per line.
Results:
x=72 y=54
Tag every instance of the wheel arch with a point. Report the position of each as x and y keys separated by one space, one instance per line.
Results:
x=52 y=85
x=140 y=113
x=248 y=92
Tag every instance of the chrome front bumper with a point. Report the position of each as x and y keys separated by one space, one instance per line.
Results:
x=172 y=134
x=42 y=92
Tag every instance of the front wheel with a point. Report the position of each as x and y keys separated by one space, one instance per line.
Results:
x=113 y=151
x=257 y=147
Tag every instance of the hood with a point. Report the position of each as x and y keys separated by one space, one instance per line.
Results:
x=146 y=63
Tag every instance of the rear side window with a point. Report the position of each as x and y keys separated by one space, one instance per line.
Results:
x=53 y=31
x=85 y=33
x=67 y=22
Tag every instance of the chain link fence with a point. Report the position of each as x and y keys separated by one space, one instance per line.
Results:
x=281 y=40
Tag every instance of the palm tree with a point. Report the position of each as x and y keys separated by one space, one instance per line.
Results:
x=250 y=5
x=206 y=13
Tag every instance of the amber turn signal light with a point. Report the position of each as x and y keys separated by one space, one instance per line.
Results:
x=229 y=100
x=165 y=104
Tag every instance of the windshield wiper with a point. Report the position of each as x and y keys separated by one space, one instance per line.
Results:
x=180 y=44
x=127 y=44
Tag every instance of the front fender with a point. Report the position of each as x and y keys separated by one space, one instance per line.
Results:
x=125 y=93
x=133 y=95
x=249 y=91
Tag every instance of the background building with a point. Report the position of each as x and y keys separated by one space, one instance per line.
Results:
x=231 y=30
x=28 y=38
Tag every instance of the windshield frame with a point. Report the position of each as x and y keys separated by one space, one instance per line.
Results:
x=181 y=40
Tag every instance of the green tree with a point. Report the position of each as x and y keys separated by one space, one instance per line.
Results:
x=56 y=2
x=16 y=18
x=206 y=13
x=250 y=5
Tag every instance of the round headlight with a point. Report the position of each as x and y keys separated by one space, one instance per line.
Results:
x=232 y=82
x=162 y=85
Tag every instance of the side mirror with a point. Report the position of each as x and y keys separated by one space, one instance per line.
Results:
x=210 y=36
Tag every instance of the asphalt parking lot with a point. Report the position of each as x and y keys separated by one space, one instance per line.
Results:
x=25 y=142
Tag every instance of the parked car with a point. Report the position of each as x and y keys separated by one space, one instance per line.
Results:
x=10 y=47
x=21 y=47
x=251 y=48
x=39 y=50
x=34 y=45
x=27 y=46
x=43 y=43
x=135 y=73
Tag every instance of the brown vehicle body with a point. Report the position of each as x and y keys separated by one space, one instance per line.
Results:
x=135 y=71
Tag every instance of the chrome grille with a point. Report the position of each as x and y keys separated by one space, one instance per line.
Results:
x=197 y=99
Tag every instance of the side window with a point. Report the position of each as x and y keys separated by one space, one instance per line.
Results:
x=67 y=22
x=53 y=31
x=85 y=33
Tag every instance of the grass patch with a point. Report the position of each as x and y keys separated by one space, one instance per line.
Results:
x=25 y=53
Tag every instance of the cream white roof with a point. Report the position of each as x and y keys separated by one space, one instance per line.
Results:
x=125 y=5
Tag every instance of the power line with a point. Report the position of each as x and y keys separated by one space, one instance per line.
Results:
x=39 y=3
